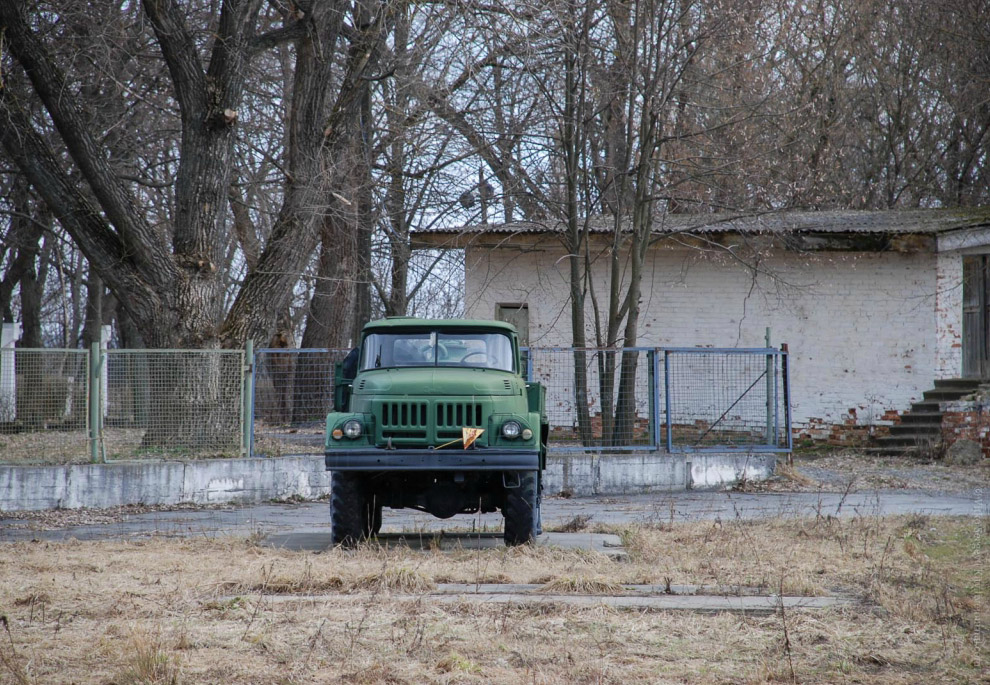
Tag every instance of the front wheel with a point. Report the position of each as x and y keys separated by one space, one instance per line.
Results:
x=348 y=509
x=522 y=510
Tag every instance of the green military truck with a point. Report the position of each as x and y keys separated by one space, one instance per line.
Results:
x=435 y=415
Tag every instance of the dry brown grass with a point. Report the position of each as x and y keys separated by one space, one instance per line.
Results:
x=209 y=611
x=581 y=586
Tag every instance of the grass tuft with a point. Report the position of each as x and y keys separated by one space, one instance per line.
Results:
x=583 y=586
x=148 y=663
x=394 y=580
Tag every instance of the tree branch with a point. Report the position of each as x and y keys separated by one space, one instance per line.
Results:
x=181 y=57
x=102 y=247
x=51 y=85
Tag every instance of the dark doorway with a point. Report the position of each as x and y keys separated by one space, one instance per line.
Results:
x=976 y=317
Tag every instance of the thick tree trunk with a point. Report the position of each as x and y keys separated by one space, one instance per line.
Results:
x=169 y=280
x=22 y=240
x=318 y=130
x=576 y=242
x=365 y=197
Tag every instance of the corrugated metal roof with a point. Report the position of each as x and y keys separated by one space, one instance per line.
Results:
x=913 y=221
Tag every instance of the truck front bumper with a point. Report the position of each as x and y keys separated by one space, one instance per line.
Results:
x=374 y=459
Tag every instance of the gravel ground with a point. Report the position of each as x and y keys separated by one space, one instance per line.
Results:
x=53 y=519
x=849 y=470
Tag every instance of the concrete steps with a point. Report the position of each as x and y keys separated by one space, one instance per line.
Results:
x=920 y=429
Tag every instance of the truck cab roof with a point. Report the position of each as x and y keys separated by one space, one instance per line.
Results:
x=407 y=322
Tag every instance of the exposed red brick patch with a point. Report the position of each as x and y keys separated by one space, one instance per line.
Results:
x=969 y=423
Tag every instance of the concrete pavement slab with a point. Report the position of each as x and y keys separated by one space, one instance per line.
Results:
x=318 y=541
x=675 y=507
x=489 y=594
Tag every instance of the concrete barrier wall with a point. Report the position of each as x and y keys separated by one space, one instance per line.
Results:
x=32 y=488
x=643 y=472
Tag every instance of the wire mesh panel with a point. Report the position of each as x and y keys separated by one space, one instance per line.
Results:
x=725 y=399
x=172 y=403
x=43 y=406
x=293 y=393
x=598 y=398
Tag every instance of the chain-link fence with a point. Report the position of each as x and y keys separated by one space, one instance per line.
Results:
x=72 y=406
x=60 y=406
x=599 y=398
x=44 y=405
x=726 y=398
x=293 y=393
x=170 y=403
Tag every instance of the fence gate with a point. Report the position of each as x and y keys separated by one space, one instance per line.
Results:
x=726 y=399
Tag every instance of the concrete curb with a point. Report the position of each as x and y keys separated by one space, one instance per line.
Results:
x=761 y=605
x=33 y=488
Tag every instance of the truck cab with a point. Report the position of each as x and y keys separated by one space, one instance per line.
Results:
x=437 y=417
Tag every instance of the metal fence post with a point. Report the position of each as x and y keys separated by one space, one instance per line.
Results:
x=666 y=394
x=654 y=399
x=247 y=400
x=786 y=377
x=95 y=402
x=771 y=405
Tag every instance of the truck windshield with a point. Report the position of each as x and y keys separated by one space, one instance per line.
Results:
x=434 y=348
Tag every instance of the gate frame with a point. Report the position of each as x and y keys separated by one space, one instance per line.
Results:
x=773 y=354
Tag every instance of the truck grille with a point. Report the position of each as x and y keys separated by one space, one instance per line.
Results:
x=421 y=423
x=403 y=414
x=459 y=414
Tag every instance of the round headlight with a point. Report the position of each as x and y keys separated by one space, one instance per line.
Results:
x=511 y=430
x=527 y=434
x=352 y=428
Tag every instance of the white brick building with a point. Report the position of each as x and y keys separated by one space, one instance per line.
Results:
x=871 y=304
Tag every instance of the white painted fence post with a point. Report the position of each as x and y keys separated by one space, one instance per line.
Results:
x=104 y=339
x=9 y=334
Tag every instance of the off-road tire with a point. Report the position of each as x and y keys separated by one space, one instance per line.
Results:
x=521 y=510
x=348 y=509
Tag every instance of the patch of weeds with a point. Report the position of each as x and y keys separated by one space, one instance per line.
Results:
x=148 y=663
x=291 y=499
x=787 y=472
x=810 y=449
x=455 y=662
x=377 y=674
x=225 y=606
x=10 y=660
x=395 y=580
x=288 y=585
x=958 y=553
x=581 y=586
x=575 y=525
x=918 y=522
